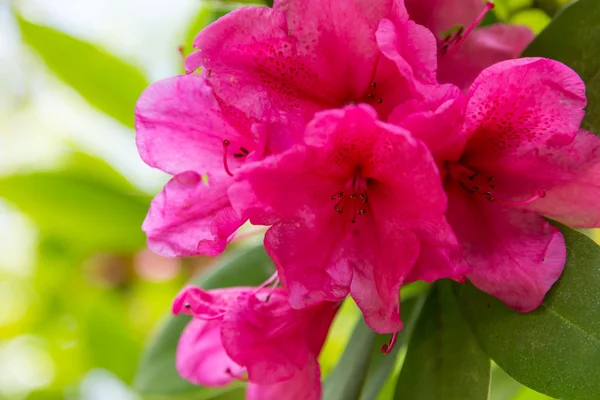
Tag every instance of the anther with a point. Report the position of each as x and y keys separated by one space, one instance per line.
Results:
x=243 y=150
x=362 y=212
x=187 y=306
x=353 y=196
x=238 y=155
x=371 y=96
x=226 y=144
x=472 y=177
x=374 y=84
x=380 y=100
x=353 y=220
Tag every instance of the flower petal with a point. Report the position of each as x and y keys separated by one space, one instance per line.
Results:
x=190 y=217
x=304 y=385
x=518 y=106
x=207 y=305
x=484 y=47
x=269 y=338
x=201 y=358
x=180 y=126
x=515 y=254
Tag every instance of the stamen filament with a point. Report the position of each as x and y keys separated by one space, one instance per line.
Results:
x=489 y=5
x=539 y=195
x=387 y=348
x=226 y=144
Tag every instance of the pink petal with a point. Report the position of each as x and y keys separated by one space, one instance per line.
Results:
x=314 y=268
x=207 y=305
x=269 y=338
x=304 y=385
x=180 y=126
x=484 y=47
x=515 y=254
x=190 y=217
x=201 y=358
x=255 y=64
x=436 y=120
x=516 y=107
x=441 y=15
x=571 y=177
x=412 y=48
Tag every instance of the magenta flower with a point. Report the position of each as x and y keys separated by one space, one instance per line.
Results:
x=185 y=130
x=239 y=331
x=357 y=209
x=304 y=56
x=522 y=157
x=461 y=63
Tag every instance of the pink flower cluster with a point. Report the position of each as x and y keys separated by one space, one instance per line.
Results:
x=380 y=147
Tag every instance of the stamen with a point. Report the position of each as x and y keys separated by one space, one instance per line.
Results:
x=387 y=348
x=226 y=144
x=539 y=195
x=489 y=5
x=243 y=150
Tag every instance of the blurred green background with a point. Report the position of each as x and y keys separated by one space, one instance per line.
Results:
x=79 y=293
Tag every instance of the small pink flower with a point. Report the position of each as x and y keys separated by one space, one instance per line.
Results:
x=357 y=209
x=518 y=156
x=304 y=56
x=187 y=131
x=482 y=47
x=237 y=332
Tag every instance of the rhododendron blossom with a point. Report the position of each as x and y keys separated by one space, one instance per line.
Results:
x=187 y=131
x=463 y=51
x=523 y=156
x=358 y=208
x=244 y=333
x=304 y=56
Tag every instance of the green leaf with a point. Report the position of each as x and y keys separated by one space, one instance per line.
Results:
x=382 y=366
x=573 y=38
x=503 y=386
x=363 y=369
x=347 y=379
x=90 y=212
x=156 y=374
x=107 y=83
x=443 y=360
x=555 y=349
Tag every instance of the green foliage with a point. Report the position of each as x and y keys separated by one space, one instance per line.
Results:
x=443 y=360
x=156 y=374
x=574 y=39
x=556 y=348
x=107 y=83
x=94 y=211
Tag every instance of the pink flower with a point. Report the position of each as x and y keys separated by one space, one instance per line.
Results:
x=304 y=56
x=237 y=331
x=522 y=157
x=482 y=47
x=357 y=209
x=186 y=131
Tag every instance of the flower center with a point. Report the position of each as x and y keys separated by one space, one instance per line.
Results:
x=352 y=199
x=478 y=183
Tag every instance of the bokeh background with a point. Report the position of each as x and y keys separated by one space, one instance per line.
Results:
x=79 y=293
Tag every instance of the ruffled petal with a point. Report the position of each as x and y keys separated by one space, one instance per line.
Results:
x=207 y=305
x=201 y=358
x=190 y=217
x=181 y=125
x=304 y=385
x=271 y=339
x=484 y=47
x=436 y=120
x=516 y=107
x=514 y=254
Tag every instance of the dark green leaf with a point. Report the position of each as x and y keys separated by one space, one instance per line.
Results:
x=106 y=82
x=91 y=212
x=556 y=348
x=347 y=379
x=573 y=38
x=156 y=374
x=382 y=365
x=443 y=360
